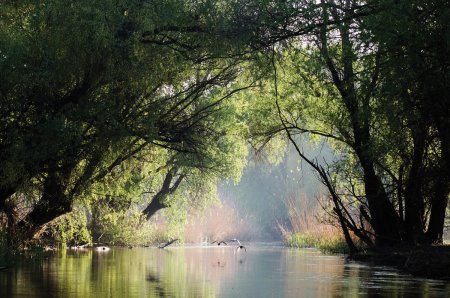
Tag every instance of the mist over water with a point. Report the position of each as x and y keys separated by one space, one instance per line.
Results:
x=260 y=196
x=209 y=271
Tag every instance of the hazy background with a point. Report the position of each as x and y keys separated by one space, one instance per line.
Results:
x=254 y=208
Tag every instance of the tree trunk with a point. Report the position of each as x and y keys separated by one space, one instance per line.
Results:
x=400 y=195
x=155 y=205
x=337 y=209
x=414 y=204
x=384 y=217
x=5 y=194
x=52 y=204
x=441 y=191
x=435 y=232
x=158 y=201
x=11 y=234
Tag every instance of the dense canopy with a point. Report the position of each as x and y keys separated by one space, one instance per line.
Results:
x=151 y=103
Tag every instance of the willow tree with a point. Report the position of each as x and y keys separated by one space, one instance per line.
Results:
x=86 y=86
x=337 y=76
x=415 y=74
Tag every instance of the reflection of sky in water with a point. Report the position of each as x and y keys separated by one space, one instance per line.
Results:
x=262 y=271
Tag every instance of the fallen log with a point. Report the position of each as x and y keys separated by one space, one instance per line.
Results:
x=168 y=243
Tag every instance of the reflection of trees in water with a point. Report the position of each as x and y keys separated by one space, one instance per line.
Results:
x=152 y=278
x=326 y=276
x=29 y=281
x=207 y=268
x=384 y=282
x=175 y=272
x=313 y=273
x=47 y=277
x=208 y=272
x=118 y=273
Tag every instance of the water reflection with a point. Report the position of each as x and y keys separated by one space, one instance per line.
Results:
x=208 y=272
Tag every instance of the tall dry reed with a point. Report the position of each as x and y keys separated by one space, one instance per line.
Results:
x=221 y=221
x=310 y=225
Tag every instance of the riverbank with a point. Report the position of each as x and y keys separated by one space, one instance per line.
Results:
x=428 y=261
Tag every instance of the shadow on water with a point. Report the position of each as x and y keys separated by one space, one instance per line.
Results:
x=208 y=272
x=387 y=282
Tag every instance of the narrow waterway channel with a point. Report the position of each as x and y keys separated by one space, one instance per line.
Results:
x=215 y=271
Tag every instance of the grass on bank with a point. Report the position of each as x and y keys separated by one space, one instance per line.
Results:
x=333 y=245
x=306 y=228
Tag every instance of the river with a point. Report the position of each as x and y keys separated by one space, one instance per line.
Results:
x=215 y=271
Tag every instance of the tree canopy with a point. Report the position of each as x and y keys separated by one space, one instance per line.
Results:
x=90 y=90
x=361 y=79
x=142 y=100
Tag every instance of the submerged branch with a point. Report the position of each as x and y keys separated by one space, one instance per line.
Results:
x=168 y=243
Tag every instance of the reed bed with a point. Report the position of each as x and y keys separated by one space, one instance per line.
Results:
x=221 y=221
x=310 y=226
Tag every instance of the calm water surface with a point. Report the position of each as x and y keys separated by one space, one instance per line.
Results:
x=217 y=271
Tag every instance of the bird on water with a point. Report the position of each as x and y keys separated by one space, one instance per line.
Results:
x=240 y=246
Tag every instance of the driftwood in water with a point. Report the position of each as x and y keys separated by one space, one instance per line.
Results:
x=168 y=243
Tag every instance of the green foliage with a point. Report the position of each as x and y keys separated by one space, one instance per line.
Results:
x=71 y=229
x=344 y=83
x=98 y=98
x=102 y=101
x=124 y=228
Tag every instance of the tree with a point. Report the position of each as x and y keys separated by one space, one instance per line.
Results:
x=338 y=83
x=88 y=86
x=416 y=73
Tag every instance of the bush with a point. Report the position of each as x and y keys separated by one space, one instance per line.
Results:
x=70 y=229
x=127 y=228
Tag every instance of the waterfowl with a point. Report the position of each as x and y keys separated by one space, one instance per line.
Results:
x=219 y=242
x=240 y=246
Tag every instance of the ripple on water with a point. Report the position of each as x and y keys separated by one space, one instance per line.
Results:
x=262 y=271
